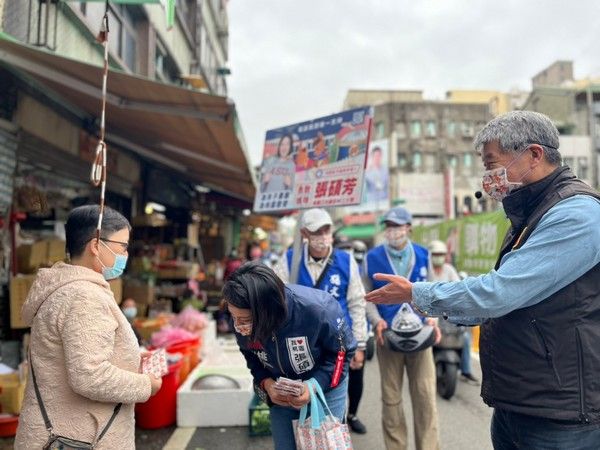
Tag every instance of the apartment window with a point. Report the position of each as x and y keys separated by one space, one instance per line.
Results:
x=467 y=160
x=451 y=129
x=400 y=128
x=582 y=170
x=430 y=161
x=402 y=160
x=417 y=160
x=164 y=66
x=122 y=38
x=415 y=129
x=452 y=161
x=380 y=130
x=431 y=128
x=468 y=129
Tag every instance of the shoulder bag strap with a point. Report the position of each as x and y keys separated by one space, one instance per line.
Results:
x=39 y=397
x=110 y=421
x=47 y=422
x=325 y=269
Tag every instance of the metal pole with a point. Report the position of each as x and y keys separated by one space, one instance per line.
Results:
x=296 y=251
x=592 y=132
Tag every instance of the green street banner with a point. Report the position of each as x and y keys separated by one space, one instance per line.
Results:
x=473 y=241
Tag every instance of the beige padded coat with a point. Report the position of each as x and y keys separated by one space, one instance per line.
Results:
x=86 y=360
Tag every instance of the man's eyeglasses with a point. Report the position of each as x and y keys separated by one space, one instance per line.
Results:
x=124 y=245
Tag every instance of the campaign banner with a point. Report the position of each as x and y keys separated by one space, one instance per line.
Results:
x=317 y=163
x=473 y=242
x=376 y=189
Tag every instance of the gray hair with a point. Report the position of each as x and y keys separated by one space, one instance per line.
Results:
x=517 y=129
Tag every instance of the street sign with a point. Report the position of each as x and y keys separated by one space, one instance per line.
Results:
x=317 y=163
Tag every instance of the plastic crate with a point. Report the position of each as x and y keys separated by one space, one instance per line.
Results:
x=259 y=418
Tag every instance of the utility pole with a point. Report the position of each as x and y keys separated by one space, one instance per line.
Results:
x=592 y=133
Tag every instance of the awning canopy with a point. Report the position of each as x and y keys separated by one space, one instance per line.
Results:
x=187 y=130
x=364 y=231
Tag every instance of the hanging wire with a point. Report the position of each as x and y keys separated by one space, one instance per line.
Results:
x=98 y=174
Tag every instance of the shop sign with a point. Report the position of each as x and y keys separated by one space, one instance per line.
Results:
x=318 y=163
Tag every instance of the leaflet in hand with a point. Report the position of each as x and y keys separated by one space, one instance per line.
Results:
x=155 y=364
x=285 y=386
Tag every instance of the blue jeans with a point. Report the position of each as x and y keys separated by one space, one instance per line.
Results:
x=512 y=431
x=465 y=358
x=281 y=418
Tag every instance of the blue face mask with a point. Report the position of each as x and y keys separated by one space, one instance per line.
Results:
x=130 y=312
x=118 y=267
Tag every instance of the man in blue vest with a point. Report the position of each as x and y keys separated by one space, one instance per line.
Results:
x=335 y=271
x=400 y=256
x=540 y=306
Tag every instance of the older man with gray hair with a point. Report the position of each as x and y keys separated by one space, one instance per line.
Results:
x=540 y=306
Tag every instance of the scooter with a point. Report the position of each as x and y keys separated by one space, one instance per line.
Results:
x=447 y=354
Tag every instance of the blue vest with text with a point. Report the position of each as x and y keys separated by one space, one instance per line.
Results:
x=378 y=262
x=336 y=280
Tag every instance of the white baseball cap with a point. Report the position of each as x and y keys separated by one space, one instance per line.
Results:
x=315 y=218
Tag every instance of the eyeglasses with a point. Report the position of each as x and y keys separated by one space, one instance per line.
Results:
x=124 y=245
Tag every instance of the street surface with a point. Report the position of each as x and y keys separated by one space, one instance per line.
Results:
x=464 y=424
x=464 y=421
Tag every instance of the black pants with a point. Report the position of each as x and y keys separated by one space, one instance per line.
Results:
x=355 y=389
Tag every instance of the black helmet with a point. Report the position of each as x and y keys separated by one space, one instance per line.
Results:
x=342 y=242
x=408 y=333
x=359 y=249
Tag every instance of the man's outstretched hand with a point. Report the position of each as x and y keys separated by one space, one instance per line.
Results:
x=398 y=290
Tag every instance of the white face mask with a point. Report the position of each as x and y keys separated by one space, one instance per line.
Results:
x=396 y=236
x=320 y=243
x=438 y=260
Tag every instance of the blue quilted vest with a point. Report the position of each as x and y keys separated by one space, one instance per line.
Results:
x=378 y=261
x=336 y=280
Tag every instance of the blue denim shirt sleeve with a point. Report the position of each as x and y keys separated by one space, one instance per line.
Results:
x=564 y=246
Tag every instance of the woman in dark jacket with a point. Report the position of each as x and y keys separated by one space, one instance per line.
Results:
x=289 y=331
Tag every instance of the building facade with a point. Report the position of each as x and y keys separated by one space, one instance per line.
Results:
x=434 y=168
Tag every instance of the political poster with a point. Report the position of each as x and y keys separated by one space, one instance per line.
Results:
x=376 y=189
x=317 y=163
x=473 y=241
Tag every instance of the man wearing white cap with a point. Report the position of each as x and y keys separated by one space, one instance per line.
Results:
x=400 y=256
x=334 y=271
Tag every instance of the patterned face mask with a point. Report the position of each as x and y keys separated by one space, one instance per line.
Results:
x=320 y=243
x=244 y=330
x=495 y=182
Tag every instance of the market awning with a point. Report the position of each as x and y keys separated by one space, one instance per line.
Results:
x=187 y=130
x=365 y=231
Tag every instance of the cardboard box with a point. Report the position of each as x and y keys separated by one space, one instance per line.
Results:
x=116 y=286
x=141 y=291
x=12 y=391
x=31 y=257
x=183 y=271
x=19 y=287
x=55 y=251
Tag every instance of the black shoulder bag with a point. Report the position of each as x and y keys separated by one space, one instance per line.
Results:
x=56 y=442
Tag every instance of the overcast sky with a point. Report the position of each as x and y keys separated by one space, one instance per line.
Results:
x=293 y=60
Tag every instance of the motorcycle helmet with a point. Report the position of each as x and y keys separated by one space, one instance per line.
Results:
x=359 y=249
x=408 y=333
x=438 y=248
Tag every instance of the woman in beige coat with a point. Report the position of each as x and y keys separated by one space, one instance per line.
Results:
x=84 y=352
